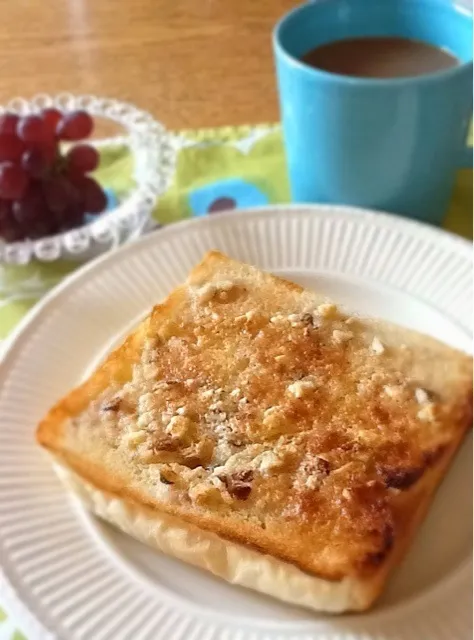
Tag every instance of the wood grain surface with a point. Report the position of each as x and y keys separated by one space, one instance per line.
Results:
x=192 y=63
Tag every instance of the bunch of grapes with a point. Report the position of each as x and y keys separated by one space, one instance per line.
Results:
x=42 y=190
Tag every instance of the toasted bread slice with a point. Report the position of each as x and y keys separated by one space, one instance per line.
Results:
x=250 y=428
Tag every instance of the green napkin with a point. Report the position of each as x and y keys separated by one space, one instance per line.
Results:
x=216 y=169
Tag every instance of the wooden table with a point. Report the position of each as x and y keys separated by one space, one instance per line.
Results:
x=193 y=63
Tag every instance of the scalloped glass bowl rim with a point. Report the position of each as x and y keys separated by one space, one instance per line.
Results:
x=151 y=146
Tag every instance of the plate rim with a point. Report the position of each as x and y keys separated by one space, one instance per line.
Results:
x=13 y=342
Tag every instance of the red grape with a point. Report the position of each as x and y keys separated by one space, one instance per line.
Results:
x=13 y=181
x=60 y=194
x=75 y=126
x=11 y=232
x=41 y=228
x=72 y=217
x=11 y=148
x=31 y=207
x=35 y=162
x=51 y=118
x=50 y=151
x=32 y=129
x=81 y=159
x=8 y=123
x=9 y=229
x=37 y=230
x=93 y=198
x=41 y=191
x=5 y=211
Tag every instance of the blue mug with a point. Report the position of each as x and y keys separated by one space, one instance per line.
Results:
x=392 y=144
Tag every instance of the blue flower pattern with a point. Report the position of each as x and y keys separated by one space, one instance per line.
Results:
x=232 y=193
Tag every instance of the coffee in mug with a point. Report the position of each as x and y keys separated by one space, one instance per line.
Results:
x=379 y=57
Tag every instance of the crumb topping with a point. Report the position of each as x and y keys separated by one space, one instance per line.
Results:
x=427 y=413
x=422 y=395
x=280 y=413
x=377 y=347
x=340 y=337
x=303 y=386
x=208 y=291
x=327 y=310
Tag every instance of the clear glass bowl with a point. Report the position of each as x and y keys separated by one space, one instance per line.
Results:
x=154 y=157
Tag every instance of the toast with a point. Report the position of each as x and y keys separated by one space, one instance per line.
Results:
x=249 y=427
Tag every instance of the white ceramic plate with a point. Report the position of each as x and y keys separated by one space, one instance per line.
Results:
x=68 y=576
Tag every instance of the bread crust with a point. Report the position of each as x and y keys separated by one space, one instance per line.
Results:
x=354 y=493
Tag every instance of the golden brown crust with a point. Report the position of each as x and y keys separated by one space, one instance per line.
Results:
x=251 y=408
